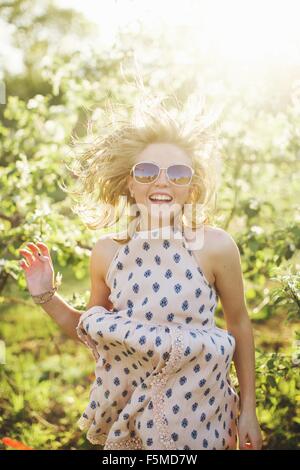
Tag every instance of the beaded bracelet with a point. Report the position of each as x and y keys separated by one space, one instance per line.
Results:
x=45 y=296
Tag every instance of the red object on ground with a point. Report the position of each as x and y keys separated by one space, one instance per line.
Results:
x=15 y=444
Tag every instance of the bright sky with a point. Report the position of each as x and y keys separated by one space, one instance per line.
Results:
x=239 y=30
x=250 y=33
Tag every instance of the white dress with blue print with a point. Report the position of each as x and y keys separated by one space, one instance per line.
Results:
x=162 y=366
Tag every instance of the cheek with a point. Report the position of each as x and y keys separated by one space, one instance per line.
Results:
x=181 y=195
x=140 y=192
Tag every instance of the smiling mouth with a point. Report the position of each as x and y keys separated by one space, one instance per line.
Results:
x=160 y=200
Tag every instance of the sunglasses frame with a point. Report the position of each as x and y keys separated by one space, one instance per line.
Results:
x=161 y=168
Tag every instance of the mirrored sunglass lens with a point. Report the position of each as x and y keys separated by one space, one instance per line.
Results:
x=146 y=172
x=180 y=174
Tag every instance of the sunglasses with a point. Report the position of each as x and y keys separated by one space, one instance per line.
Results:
x=148 y=172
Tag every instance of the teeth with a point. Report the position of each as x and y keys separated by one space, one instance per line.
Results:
x=161 y=198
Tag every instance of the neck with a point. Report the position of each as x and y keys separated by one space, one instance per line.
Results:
x=157 y=224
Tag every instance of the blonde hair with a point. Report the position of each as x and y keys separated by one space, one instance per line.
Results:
x=102 y=167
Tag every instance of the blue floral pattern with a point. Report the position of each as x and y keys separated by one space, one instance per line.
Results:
x=159 y=294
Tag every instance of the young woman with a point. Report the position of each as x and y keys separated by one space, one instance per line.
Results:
x=162 y=364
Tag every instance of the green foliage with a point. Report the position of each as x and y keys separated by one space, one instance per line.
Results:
x=45 y=380
x=288 y=294
x=277 y=380
x=44 y=383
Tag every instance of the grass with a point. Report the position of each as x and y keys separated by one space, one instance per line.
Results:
x=46 y=378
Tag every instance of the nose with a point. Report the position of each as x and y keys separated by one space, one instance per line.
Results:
x=162 y=178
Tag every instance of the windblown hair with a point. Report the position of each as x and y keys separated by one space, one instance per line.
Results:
x=101 y=167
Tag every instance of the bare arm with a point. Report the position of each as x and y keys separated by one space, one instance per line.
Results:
x=229 y=283
x=59 y=310
x=63 y=314
x=230 y=286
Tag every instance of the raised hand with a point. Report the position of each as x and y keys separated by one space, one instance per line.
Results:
x=38 y=268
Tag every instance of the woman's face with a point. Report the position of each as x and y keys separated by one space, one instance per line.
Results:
x=164 y=212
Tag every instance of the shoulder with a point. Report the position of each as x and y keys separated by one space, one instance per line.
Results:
x=218 y=242
x=108 y=242
x=223 y=251
x=219 y=238
x=103 y=251
x=103 y=243
x=221 y=242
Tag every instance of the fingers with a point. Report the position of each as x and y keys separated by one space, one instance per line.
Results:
x=251 y=440
x=27 y=255
x=246 y=445
x=256 y=444
x=43 y=248
x=33 y=248
x=244 y=442
x=38 y=251
x=23 y=265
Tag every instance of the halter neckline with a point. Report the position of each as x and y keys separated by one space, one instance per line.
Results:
x=158 y=230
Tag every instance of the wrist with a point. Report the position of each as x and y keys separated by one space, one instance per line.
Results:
x=248 y=411
x=248 y=408
x=48 y=293
x=41 y=290
x=45 y=296
x=248 y=404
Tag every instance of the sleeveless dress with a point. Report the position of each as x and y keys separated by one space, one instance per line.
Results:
x=162 y=365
